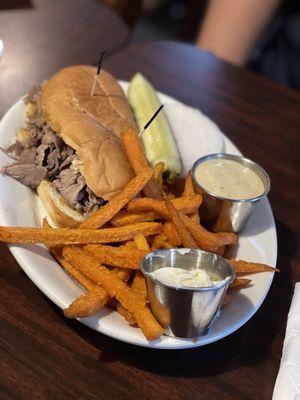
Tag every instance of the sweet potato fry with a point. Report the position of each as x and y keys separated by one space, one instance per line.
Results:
x=126 y=314
x=139 y=282
x=106 y=212
x=220 y=251
x=239 y=283
x=82 y=279
x=129 y=244
x=77 y=236
x=186 y=238
x=161 y=242
x=137 y=160
x=195 y=217
x=141 y=242
x=186 y=205
x=122 y=273
x=170 y=195
x=87 y=304
x=171 y=234
x=158 y=175
x=245 y=267
x=139 y=285
x=46 y=225
x=188 y=186
x=56 y=252
x=207 y=240
x=225 y=300
x=133 y=149
x=115 y=288
x=189 y=190
x=116 y=256
x=125 y=218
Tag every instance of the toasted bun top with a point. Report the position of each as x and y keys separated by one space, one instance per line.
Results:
x=92 y=125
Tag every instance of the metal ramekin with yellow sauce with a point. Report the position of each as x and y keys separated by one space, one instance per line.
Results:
x=231 y=186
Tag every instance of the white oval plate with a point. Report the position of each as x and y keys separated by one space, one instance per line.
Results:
x=257 y=243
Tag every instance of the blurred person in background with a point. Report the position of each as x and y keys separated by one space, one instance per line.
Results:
x=265 y=34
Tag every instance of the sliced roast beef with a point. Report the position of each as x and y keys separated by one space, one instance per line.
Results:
x=70 y=183
x=31 y=136
x=66 y=153
x=91 y=202
x=29 y=175
x=66 y=178
x=50 y=138
x=68 y=160
x=27 y=156
x=15 y=148
x=41 y=154
x=53 y=164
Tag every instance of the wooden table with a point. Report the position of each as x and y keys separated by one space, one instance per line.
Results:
x=50 y=34
x=43 y=355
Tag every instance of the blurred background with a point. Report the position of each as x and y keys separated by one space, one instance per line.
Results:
x=263 y=35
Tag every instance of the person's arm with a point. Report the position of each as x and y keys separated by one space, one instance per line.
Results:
x=231 y=27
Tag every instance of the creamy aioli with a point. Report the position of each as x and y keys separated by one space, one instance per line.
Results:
x=229 y=179
x=180 y=278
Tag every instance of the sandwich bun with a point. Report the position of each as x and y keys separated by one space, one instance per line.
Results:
x=58 y=210
x=92 y=125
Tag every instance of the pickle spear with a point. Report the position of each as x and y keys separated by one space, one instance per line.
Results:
x=158 y=142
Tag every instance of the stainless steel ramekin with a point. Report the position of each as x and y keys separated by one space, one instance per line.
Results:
x=186 y=312
x=221 y=214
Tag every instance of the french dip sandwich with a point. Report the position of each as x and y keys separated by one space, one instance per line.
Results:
x=70 y=150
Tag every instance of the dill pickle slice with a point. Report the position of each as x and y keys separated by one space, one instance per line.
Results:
x=158 y=141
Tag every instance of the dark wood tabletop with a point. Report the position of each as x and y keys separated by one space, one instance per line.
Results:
x=45 y=356
x=42 y=36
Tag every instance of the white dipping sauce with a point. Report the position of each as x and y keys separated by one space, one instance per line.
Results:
x=229 y=179
x=180 y=278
